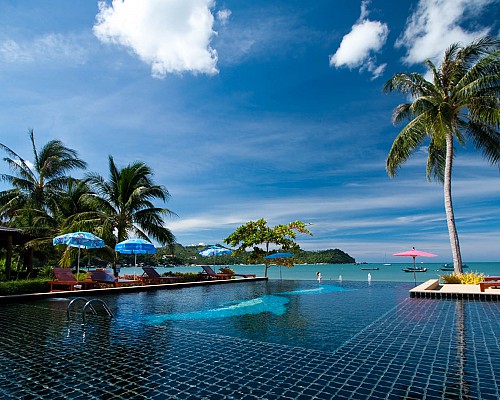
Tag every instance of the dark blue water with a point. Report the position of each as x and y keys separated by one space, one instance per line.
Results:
x=296 y=313
x=254 y=340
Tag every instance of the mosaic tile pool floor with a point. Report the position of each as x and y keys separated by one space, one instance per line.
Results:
x=420 y=349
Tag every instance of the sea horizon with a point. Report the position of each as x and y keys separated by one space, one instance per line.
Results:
x=337 y=272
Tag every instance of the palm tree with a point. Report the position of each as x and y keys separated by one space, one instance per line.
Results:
x=125 y=204
x=32 y=201
x=460 y=103
x=37 y=186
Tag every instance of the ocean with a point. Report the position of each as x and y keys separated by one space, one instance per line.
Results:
x=335 y=272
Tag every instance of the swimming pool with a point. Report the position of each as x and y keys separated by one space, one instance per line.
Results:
x=255 y=340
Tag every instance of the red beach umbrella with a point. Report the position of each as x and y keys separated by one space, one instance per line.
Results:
x=414 y=253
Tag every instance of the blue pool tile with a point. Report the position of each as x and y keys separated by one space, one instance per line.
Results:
x=420 y=348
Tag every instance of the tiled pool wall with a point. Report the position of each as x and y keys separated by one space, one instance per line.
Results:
x=416 y=349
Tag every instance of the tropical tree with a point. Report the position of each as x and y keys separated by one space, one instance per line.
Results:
x=125 y=207
x=460 y=103
x=259 y=237
x=36 y=187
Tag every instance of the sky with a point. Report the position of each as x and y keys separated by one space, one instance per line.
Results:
x=252 y=109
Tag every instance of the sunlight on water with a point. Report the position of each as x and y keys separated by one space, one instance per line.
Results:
x=272 y=304
x=321 y=289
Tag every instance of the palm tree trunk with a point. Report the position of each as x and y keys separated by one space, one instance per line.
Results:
x=448 y=205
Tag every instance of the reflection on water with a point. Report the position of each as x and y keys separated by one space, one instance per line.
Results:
x=321 y=289
x=268 y=303
x=272 y=304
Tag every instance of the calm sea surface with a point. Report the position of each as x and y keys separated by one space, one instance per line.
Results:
x=347 y=272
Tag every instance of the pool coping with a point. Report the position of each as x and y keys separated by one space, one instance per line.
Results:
x=123 y=289
x=434 y=290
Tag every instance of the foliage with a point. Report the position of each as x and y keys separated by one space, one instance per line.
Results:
x=188 y=255
x=259 y=237
x=461 y=102
x=124 y=204
x=330 y=256
x=81 y=276
x=467 y=278
x=46 y=273
x=24 y=287
x=226 y=270
x=452 y=278
x=32 y=202
x=185 y=277
x=471 y=278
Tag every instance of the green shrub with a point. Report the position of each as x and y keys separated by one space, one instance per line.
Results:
x=452 y=278
x=226 y=270
x=471 y=278
x=185 y=277
x=467 y=278
x=46 y=272
x=24 y=287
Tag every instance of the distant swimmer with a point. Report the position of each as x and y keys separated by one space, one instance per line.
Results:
x=318 y=275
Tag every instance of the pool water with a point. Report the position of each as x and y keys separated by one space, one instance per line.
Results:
x=254 y=340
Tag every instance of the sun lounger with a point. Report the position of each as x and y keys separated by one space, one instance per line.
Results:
x=209 y=273
x=66 y=279
x=489 y=281
x=244 y=275
x=104 y=276
x=152 y=277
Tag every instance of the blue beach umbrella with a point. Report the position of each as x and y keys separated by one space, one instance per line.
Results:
x=135 y=246
x=81 y=240
x=279 y=255
x=214 y=251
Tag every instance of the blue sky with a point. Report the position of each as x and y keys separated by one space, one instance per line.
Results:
x=252 y=109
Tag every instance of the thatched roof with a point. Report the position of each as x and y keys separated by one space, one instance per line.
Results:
x=18 y=236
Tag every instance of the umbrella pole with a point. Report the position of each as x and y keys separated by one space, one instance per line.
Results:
x=78 y=264
x=135 y=266
x=414 y=273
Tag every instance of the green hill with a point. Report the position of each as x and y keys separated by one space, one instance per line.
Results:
x=186 y=255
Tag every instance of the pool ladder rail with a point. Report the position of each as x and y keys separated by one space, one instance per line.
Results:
x=88 y=305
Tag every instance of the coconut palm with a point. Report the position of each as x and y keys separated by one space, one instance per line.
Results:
x=39 y=185
x=32 y=201
x=460 y=103
x=125 y=204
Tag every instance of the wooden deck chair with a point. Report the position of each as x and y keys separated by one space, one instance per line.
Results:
x=209 y=273
x=152 y=277
x=66 y=279
x=107 y=277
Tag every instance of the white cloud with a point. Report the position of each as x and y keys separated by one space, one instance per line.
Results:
x=223 y=16
x=357 y=47
x=434 y=25
x=172 y=36
x=44 y=49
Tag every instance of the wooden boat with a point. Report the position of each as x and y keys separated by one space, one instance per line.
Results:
x=417 y=269
x=449 y=267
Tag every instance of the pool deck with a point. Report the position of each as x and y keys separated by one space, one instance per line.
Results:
x=434 y=290
x=123 y=289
